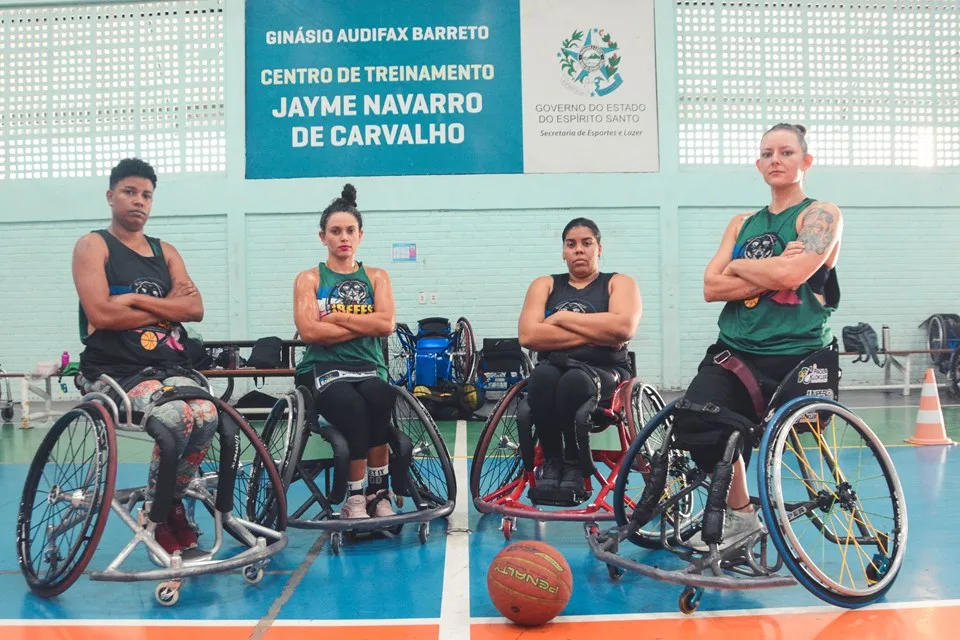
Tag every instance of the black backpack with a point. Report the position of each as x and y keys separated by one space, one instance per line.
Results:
x=862 y=339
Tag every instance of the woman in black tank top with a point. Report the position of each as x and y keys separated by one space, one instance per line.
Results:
x=584 y=316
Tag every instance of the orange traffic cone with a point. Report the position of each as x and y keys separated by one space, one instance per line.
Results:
x=930 y=428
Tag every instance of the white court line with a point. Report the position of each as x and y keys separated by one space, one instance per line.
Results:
x=136 y=622
x=733 y=613
x=903 y=406
x=380 y=622
x=455 y=596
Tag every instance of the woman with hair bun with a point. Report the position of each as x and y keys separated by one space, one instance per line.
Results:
x=342 y=308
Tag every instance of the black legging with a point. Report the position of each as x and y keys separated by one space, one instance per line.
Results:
x=555 y=395
x=359 y=410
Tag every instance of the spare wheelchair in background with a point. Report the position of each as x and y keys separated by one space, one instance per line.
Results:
x=508 y=458
x=501 y=363
x=313 y=461
x=70 y=487
x=6 y=401
x=808 y=496
x=943 y=332
x=436 y=364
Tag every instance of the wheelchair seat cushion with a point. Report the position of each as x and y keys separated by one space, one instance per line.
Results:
x=433 y=327
x=501 y=354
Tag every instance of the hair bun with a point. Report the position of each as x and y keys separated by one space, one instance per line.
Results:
x=349 y=194
x=802 y=129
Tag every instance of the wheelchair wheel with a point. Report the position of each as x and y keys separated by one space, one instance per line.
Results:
x=400 y=356
x=430 y=468
x=66 y=499
x=832 y=501
x=258 y=494
x=937 y=338
x=221 y=387
x=953 y=377
x=681 y=500
x=283 y=438
x=497 y=461
x=645 y=402
x=464 y=352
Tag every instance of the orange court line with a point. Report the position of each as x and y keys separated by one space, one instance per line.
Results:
x=929 y=623
x=286 y=632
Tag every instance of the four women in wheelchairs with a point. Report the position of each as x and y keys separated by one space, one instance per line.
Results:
x=673 y=477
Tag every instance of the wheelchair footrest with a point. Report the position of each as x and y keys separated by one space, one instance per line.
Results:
x=557 y=497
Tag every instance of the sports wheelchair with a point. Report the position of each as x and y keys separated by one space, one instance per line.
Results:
x=943 y=332
x=6 y=403
x=309 y=452
x=501 y=363
x=841 y=534
x=70 y=487
x=508 y=459
x=435 y=355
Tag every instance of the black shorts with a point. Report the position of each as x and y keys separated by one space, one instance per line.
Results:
x=705 y=439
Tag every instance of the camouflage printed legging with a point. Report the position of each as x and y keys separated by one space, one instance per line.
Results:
x=193 y=424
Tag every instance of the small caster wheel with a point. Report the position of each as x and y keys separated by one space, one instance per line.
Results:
x=253 y=574
x=877 y=569
x=690 y=600
x=508 y=525
x=423 y=531
x=336 y=542
x=7 y=414
x=615 y=572
x=167 y=593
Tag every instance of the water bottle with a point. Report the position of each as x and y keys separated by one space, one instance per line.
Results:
x=64 y=361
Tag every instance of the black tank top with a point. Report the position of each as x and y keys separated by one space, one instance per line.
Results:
x=593 y=298
x=123 y=353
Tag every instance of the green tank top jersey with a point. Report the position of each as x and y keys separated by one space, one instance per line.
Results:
x=776 y=322
x=346 y=293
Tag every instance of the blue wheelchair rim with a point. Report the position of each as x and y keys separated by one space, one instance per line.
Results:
x=777 y=536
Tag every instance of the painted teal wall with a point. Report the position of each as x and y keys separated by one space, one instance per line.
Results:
x=482 y=239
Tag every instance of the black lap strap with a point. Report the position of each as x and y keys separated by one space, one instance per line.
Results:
x=712 y=412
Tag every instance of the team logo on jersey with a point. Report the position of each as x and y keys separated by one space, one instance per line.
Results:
x=349 y=296
x=759 y=247
x=147 y=287
x=576 y=306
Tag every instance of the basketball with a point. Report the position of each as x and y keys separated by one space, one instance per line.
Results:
x=530 y=583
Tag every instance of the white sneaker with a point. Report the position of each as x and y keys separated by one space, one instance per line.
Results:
x=737 y=525
x=354 y=507
x=382 y=508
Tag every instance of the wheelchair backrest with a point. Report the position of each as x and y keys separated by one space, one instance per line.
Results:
x=439 y=327
x=501 y=355
x=817 y=375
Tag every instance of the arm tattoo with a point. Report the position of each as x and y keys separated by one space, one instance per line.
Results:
x=816 y=230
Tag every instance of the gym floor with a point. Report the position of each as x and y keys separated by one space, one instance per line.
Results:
x=400 y=589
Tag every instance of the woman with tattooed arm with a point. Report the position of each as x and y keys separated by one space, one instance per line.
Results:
x=774 y=271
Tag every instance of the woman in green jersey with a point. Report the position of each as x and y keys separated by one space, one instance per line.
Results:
x=774 y=271
x=342 y=308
